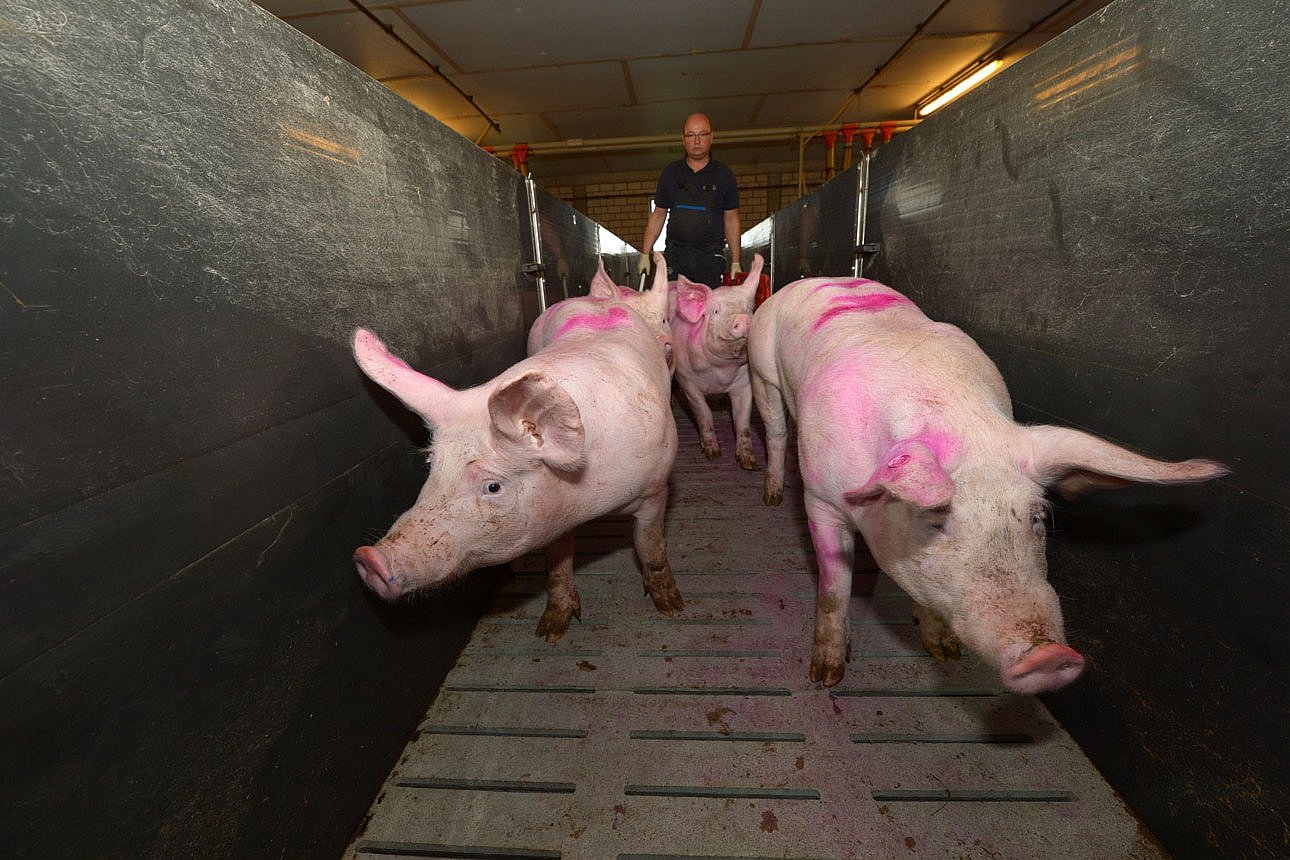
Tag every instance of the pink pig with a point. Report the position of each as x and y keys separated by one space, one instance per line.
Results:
x=603 y=287
x=710 y=339
x=905 y=434
x=581 y=428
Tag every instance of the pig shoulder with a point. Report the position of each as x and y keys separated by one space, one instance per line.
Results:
x=604 y=350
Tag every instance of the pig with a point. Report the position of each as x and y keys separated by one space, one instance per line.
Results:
x=580 y=428
x=905 y=434
x=602 y=286
x=710 y=339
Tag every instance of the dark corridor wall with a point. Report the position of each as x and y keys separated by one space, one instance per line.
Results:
x=197 y=206
x=1109 y=220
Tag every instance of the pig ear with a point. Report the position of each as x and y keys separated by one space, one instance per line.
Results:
x=691 y=299
x=539 y=417
x=909 y=473
x=602 y=286
x=427 y=397
x=658 y=290
x=753 y=279
x=1073 y=463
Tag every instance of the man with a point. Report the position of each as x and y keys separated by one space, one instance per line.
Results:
x=698 y=198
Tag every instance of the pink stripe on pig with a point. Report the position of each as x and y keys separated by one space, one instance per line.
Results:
x=867 y=304
x=614 y=316
x=845 y=284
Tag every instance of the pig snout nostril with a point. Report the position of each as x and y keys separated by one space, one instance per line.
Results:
x=367 y=561
x=375 y=572
x=1046 y=667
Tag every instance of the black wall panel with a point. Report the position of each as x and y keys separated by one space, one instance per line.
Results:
x=816 y=235
x=570 y=243
x=1108 y=218
x=197 y=207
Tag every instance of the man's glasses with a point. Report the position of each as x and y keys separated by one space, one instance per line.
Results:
x=695 y=135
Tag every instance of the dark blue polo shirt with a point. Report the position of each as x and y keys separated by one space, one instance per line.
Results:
x=696 y=202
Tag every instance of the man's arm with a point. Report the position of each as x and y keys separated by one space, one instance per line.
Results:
x=732 y=239
x=653 y=227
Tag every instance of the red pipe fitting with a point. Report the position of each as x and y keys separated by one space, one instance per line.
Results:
x=848 y=134
x=830 y=138
x=520 y=157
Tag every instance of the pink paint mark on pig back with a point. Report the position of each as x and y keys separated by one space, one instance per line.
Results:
x=614 y=316
x=868 y=304
x=845 y=284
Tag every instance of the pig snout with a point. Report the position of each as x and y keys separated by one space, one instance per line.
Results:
x=375 y=572
x=1045 y=667
x=740 y=325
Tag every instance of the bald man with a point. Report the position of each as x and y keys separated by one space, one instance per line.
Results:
x=698 y=198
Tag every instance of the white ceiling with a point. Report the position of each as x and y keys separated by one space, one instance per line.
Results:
x=547 y=72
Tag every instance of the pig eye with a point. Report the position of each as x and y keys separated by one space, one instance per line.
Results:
x=1039 y=522
x=492 y=488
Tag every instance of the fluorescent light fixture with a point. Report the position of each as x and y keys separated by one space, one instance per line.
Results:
x=961 y=87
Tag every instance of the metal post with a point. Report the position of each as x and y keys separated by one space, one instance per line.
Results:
x=530 y=188
x=862 y=208
x=770 y=253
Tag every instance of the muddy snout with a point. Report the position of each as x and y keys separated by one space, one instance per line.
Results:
x=1044 y=668
x=374 y=570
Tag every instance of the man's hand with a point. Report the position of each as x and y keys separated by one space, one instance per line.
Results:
x=735 y=269
x=642 y=265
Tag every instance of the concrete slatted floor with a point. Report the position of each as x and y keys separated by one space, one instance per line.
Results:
x=639 y=736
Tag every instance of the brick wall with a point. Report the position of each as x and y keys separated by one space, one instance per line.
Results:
x=620 y=202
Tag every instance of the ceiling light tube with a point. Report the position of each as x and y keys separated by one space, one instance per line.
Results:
x=961 y=87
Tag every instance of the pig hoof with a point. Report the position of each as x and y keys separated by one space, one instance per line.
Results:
x=827 y=675
x=667 y=600
x=712 y=452
x=829 y=661
x=547 y=630
x=554 y=623
x=1050 y=666
x=943 y=649
x=938 y=639
x=746 y=461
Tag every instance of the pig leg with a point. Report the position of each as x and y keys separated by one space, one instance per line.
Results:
x=835 y=553
x=703 y=417
x=938 y=639
x=651 y=548
x=741 y=412
x=562 y=602
x=771 y=406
